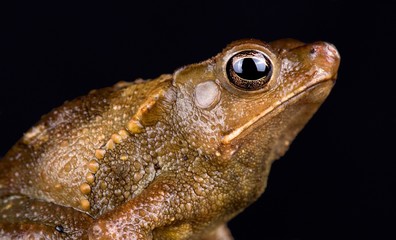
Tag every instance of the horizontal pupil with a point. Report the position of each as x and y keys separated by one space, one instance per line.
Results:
x=251 y=68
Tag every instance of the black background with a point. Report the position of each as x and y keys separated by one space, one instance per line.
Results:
x=337 y=181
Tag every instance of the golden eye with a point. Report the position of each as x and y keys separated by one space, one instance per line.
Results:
x=249 y=70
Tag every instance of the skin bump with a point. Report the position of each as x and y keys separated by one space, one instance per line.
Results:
x=123 y=133
x=85 y=205
x=175 y=157
x=207 y=94
x=134 y=127
x=99 y=153
x=116 y=138
x=110 y=145
x=90 y=177
x=93 y=166
x=85 y=188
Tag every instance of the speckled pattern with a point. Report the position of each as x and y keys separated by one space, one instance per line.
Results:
x=163 y=158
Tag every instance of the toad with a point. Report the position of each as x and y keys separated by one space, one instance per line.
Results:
x=174 y=157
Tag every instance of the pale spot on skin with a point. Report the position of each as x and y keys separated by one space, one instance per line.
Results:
x=207 y=94
x=123 y=157
x=33 y=133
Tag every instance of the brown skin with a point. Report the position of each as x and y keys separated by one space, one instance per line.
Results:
x=171 y=158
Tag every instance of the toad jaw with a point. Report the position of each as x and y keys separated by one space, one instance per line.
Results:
x=227 y=139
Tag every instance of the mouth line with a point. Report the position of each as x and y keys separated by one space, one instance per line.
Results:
x=235 y=133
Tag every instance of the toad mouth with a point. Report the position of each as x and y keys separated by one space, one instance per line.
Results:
x=227 y=139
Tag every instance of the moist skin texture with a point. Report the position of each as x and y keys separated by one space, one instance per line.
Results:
x=174 y=157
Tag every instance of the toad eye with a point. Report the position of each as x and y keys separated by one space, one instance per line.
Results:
x=249 y=70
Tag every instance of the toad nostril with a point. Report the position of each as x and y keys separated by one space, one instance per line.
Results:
x=326 y=50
